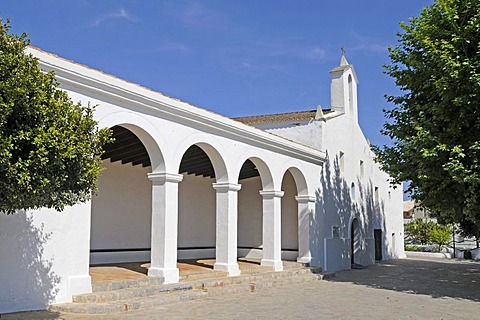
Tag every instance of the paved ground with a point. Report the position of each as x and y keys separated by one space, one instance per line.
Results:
x=400 y=289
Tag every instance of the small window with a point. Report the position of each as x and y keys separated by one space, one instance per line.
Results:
x=375 y=198
x=352 y=191
x=335 y=232
x=350 y=94
x=341 y=161
x=362 y=170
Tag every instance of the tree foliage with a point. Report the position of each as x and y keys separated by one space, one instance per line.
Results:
x=441 y=235
x=418 y=231
x=50 y=147
x=428 y=232
x=434 y=123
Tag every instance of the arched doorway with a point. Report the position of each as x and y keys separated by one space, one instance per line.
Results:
x=121 y=211
x=355 y=239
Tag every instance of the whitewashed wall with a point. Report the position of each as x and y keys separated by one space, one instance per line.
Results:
x=196 y=217
x=249 y=215
x=289 y=213
x=43 y=256
x=121 y=214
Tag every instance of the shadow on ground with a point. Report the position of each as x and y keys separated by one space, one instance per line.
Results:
x=436 y=278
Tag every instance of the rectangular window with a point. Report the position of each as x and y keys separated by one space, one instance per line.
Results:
x=362 y=169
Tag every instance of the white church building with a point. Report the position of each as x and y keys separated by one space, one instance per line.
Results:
x=181 y=182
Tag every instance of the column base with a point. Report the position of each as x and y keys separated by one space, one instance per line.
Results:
x=170 y=275
x=231 y=268
x=79 y=284
x=304 y=259
x=276 y=264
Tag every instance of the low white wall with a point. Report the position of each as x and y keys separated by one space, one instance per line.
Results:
x=337 y=254
x=476 y=254
x=44 y=257
x=415 y=254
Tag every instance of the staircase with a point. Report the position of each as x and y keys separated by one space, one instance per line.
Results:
x=146 y=292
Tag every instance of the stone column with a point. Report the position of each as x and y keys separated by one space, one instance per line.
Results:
x=226 y=229
x=164 y=226
x=272 y=229
x=306 y=207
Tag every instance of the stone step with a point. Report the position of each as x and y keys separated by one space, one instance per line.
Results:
x=168 y=297
x=130 y=293
x=128 y=304
x=260 y=285
x=254 y=277
x=131 y=283
x=203 y=275
x=136 y=295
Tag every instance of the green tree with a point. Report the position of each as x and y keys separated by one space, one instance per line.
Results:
x=418 y=231
x=50 y=147
x=434 y=123
x=440 y=235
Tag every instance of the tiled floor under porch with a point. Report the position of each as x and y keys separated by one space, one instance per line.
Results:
x=189 y=269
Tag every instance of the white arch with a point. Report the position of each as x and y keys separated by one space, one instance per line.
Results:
x=263 y=170
x=300 y=181
x=144 y=130
x=211 y=148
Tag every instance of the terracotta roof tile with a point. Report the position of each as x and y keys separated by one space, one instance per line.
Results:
x=280 y=117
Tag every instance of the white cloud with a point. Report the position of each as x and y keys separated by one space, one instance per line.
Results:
x=166 y=47
x=370 y=48
x=120 y=14
x=367 y=44
x=315 y=53
x=197 y=15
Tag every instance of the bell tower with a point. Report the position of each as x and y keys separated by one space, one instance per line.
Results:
x=343 y=88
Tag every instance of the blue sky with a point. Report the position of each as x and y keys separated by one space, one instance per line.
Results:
x=235 y=58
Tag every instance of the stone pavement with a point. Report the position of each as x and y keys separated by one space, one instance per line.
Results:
x=397 y=289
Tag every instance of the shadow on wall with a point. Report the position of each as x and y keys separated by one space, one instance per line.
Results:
x=27 y=279
x=331 y=223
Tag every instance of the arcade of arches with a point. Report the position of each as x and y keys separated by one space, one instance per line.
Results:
x=198 y=216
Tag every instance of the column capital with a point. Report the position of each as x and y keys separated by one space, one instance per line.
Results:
x=226 y=186
x=162 y=177
x=305 y=198
x=270 y=194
